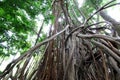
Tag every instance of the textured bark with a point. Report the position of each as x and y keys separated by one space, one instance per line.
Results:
x=71 y=51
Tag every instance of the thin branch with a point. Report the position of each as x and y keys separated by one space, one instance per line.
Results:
x=112 y=5
x=38 y=34
x=107 y=49
x=114 y=64
x=103 y=7
x=99 y=36
x=104 y=65
x=82 y=14
x=29 y=52
x=82 y=26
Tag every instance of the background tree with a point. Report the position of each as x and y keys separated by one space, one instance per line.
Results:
x=82 y=42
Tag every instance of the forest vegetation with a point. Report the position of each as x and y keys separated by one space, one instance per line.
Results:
x=59 y=40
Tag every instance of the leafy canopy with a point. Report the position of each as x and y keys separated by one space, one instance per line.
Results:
x=17 y=22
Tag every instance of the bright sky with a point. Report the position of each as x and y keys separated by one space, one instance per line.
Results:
x=115 y=13
x=80 y=2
